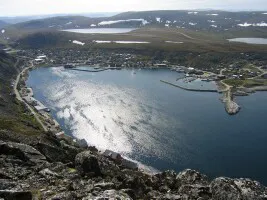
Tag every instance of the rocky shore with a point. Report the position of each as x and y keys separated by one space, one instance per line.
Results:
x=55 y=169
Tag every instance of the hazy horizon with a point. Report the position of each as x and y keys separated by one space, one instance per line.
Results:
x=26 y=8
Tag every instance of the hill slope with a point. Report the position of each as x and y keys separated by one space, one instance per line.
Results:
x=196 y=20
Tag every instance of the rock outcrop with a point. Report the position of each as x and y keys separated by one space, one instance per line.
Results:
x=25 y=173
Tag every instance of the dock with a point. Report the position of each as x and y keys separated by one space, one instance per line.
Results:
x=190 y=89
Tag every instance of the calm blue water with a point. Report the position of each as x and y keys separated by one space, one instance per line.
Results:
x=157 y=124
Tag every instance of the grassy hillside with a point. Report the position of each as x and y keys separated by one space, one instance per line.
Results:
x=14 y=118
x=187 y=40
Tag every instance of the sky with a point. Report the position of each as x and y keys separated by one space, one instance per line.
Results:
x=39 y=7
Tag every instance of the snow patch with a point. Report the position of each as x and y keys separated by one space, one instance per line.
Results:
x=174 y=42
x=131 y=42
x=168 y=22
x=78 y=42
x=167 y=25
x=213 y=14
x=192 y=13
x=93 y=25
x=211 y=21
x=101 y=41
x=68 y=23
x=158 y=19
x=192 y=24
x=264 y=13
x=255 y=24
x=215 y=26
x=103 y=23
x=3 y=31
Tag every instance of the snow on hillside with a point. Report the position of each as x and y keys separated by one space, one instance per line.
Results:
x=78 y=42
x=190 y=13
x=158 y=19
x=211 y=21
x=255 y=24
x=213 y=14
x=3 y=31
x=69 y=23
x=174 y=42
x=103 y=23
x=192 y=24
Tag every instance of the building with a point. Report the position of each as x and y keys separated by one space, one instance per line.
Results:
x=38 y=61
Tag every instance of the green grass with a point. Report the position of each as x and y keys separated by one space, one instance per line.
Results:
x=246 y=83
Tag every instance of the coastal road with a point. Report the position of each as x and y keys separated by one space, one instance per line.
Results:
x=18 y=96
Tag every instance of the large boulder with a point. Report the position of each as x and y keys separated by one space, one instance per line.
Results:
x=87 y=163
x=56 y=153
x=22 y=151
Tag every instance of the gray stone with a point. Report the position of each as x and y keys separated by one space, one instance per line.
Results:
x=225 y=189
x=86 y=162
x=108 y=194
x=22 y=151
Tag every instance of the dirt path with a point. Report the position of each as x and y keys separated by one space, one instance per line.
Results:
x=185 y=35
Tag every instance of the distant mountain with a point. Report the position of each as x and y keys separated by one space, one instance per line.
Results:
x=3 y=24
x=56 y=23
x=20 y=19
x=195 y=20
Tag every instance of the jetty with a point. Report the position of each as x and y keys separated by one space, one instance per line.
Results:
x=87 y=70
x=190 y=89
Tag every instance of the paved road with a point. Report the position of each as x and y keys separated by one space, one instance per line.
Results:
x=18 y=96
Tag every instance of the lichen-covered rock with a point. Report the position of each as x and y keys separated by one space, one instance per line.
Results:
x=225 y=189
x=22 y=151
x=195 y=191
x=55 y=153
x=108 y=194
x=86 y=162
x=250 y=189
x=189 y=176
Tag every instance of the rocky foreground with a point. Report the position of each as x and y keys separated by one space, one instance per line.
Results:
x=58 y=170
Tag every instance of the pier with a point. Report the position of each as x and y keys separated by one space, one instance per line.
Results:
x=190 y=89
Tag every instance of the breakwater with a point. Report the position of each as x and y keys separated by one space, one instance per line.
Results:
x=86 y=70
x=190 y=89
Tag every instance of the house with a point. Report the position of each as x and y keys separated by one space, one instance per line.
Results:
x=38 y=61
